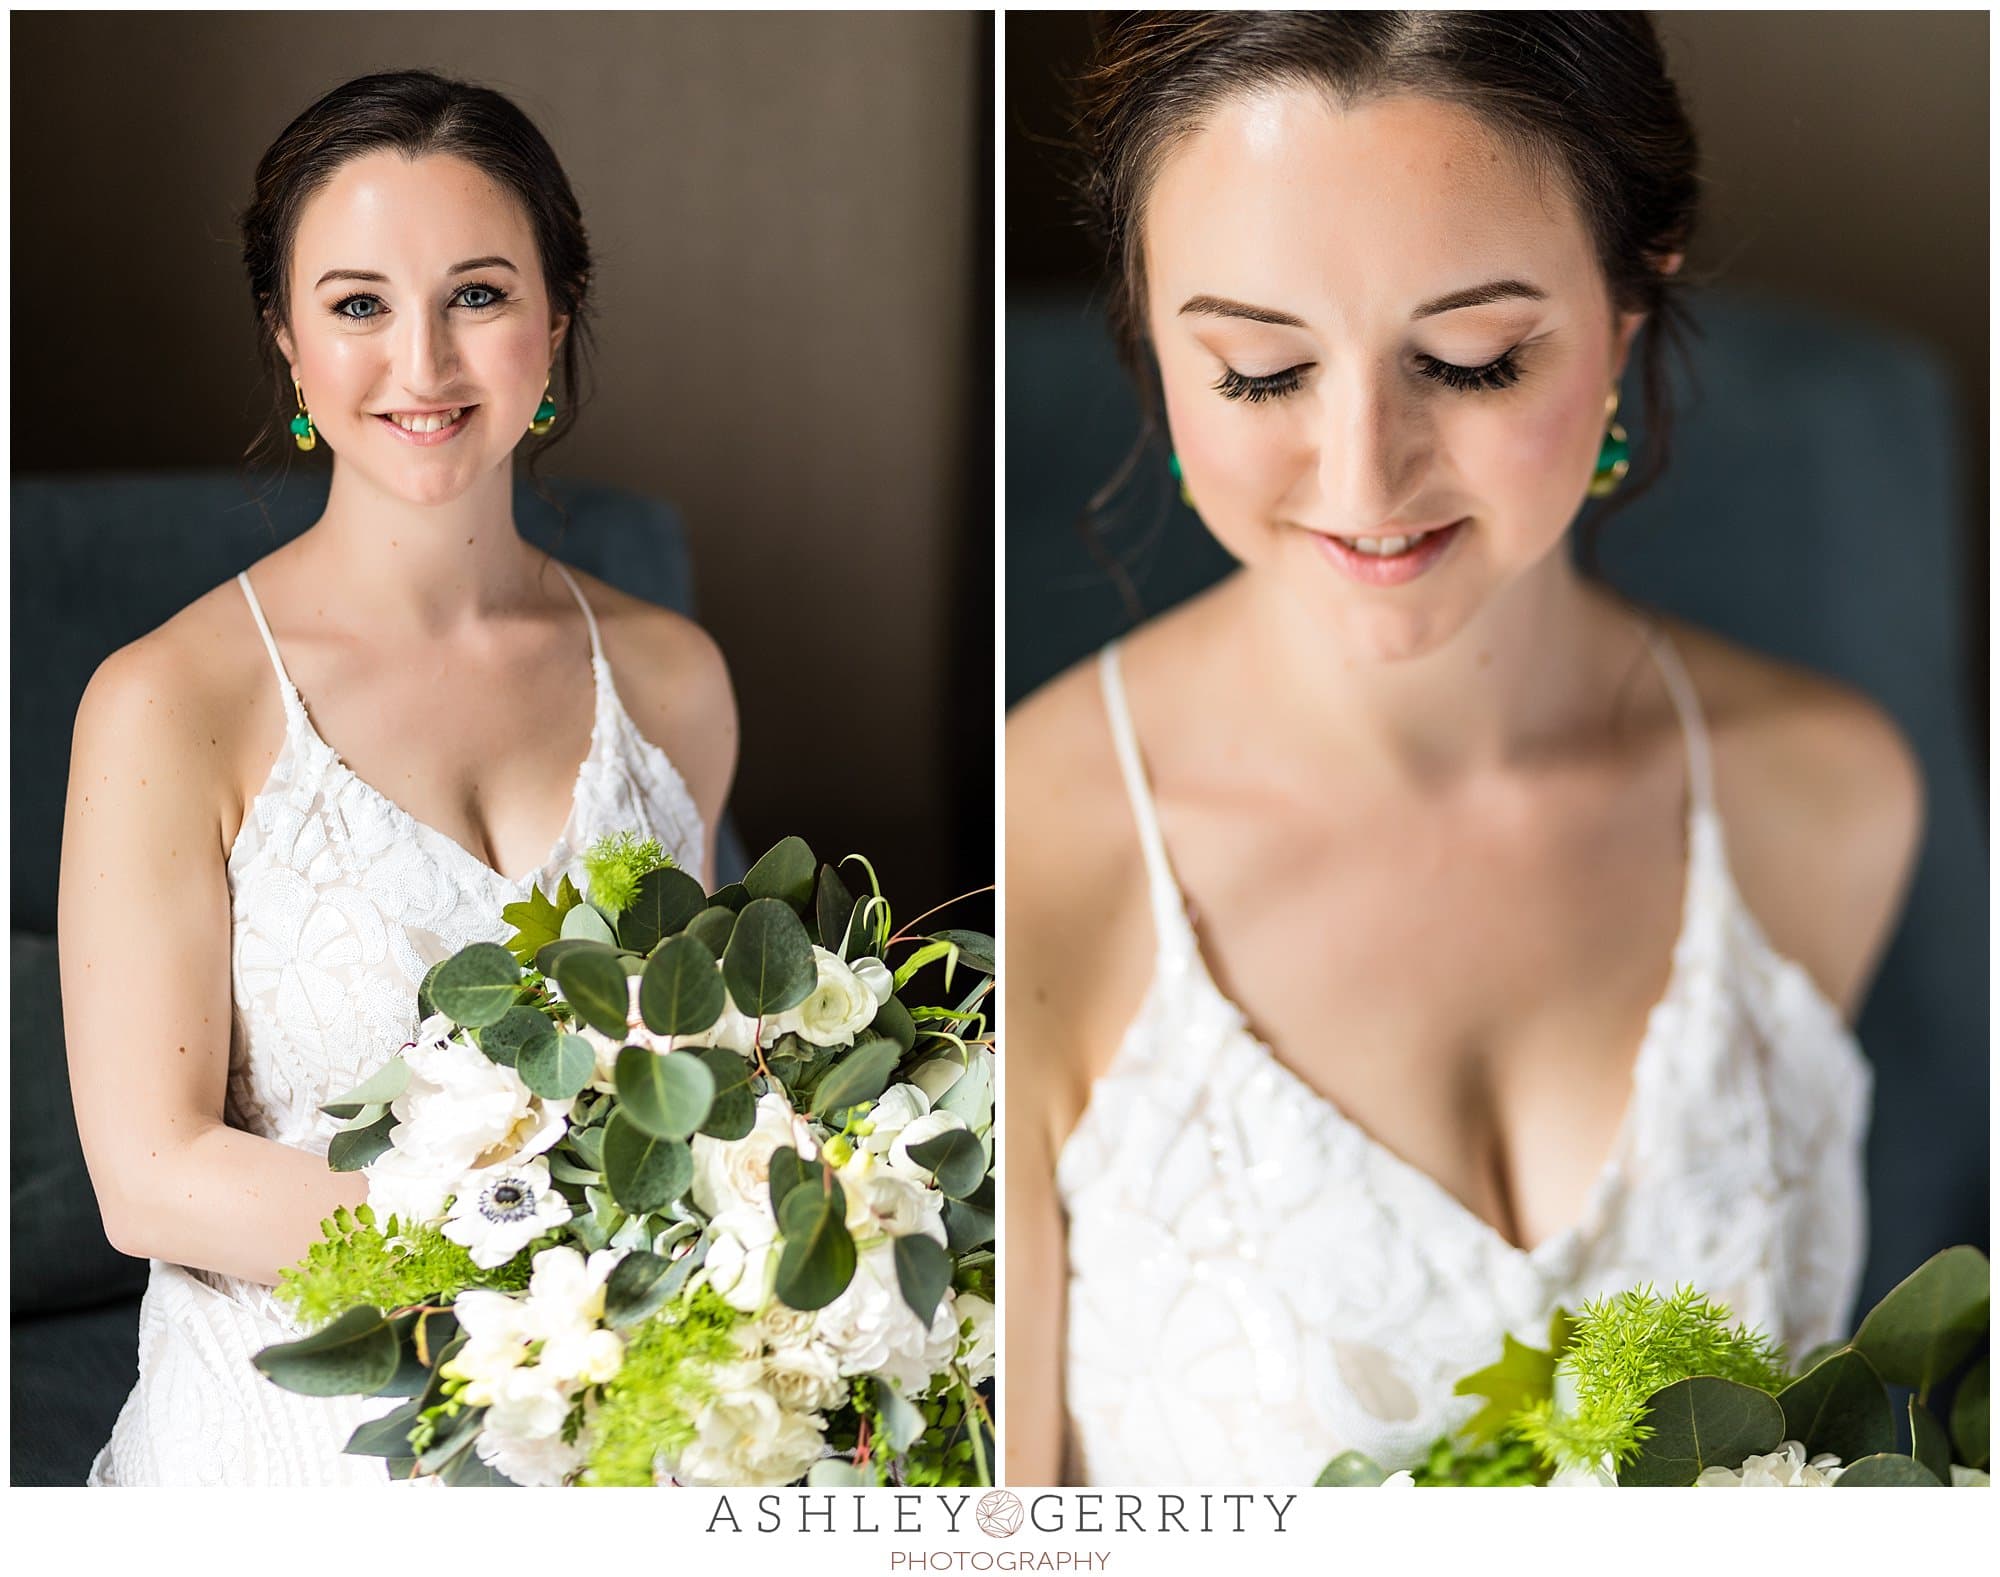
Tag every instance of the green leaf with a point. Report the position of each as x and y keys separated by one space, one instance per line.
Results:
x=1928 y=1323
x=1928 y=1444
x=956 y=1157
x=353 y=1148
x=475 y=986
x=893 y=1021
x=1839 y=1405
x=790 y=1170
x=970 y=1222
x=666 y=1094
x=768 y=964
x=1969 y=1416
x=666 y=900
x=861 y=1075
x=378 y=1089
x=1350 y=1470
x=713 y=928
x=818 y=1258
x=680 y=992
x=902 y=1422
x=638 y=1288
x=974 y=948
x=1522 y=1376
x=735 y=897
x=536 y=921
x=387 y=1436
x=1888 y=1470
x=587 y=1145
x=547 y=958
x=833 y=907
x=593 y=984
x=466 y=1471
x=586 y=923
x=356 y=1355
x=1702 y=1423
x=970 y=1098
x=426 y=1003
x=838 y=1473
x=520 y=1029
x=733 y=1113
x=786 y=874
x=558 y=1068
x=923 y=1271
x=643 y=1171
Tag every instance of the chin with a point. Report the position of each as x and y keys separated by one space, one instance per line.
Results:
x=1396 y=635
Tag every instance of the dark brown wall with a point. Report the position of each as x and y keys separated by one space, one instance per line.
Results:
x=791 y=216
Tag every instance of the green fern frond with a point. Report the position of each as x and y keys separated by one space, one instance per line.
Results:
x=614 y=864
x=358 y=1262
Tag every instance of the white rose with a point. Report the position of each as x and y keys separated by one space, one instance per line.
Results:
x=500 y=1211
x=840 y=1007
x=978 y=1335
x=461 y=1110
x=894 y=1110
x=735 y=1174
x=927 y=1127
x=744 y=1437
x=804 y=1378
x=742 y=1249
x=781 y=1325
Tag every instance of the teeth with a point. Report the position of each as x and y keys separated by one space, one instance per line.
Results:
x=426 y=424
x=1383 y=547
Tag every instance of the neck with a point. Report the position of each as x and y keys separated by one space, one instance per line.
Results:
x=423 y=569
x=1535 y=664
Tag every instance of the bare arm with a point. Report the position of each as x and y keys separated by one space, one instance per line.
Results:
x=143 y=927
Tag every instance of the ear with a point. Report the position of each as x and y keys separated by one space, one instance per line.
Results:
x=1628 y=322
x=285 y=349
x=558 y=332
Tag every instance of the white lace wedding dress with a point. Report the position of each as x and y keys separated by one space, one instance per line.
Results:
x=1256 y=1285
x=340 y=903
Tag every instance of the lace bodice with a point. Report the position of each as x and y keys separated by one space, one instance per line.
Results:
x=340 y=902
x=1255 y=1284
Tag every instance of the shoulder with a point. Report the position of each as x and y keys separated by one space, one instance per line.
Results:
x=1822 y=804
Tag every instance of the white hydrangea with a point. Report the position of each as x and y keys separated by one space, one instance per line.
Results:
x=871 y=1330
x=1785 y=1468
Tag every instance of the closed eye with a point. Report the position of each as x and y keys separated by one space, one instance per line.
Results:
x=1234 y=385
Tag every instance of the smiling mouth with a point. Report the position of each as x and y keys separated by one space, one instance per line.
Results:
x=421 y=422
x=1389 y=547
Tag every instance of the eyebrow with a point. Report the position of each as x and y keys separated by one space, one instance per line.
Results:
x=1476 y=296
x=382 y=279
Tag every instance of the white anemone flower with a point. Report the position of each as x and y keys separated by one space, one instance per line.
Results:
x=499 y=1212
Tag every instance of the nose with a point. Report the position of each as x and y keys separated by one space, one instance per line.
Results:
x=1373 y=450
x=426 y=354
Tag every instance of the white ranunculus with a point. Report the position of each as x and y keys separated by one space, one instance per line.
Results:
x=978 y=1336
x=881 y=1202
x=533 y=1460
x=937 y=1076
x=871 y=1330
x=734 y=1031
x=875 y=975
x=894 y=1110
x=1785 y=1468
x=840 y=1007
x=742 y=1249
x=735 y=1174
x=499 y=1212
x=926 y=1127
x=804 y=1378
x=462 y=1111
x=745 y=1437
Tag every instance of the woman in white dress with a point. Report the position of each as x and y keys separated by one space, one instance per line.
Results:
x=1407 y=935
x=318 y=779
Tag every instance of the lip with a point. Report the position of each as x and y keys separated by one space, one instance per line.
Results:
x=1400 y=570
x=443 y=435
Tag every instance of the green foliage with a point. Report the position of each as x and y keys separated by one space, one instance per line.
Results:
x=358 y=1264
x=1626 y=1348
x=943 y=1455
x=614 y=864
x=649 y=1406
x=537 y=920
x=1511 y=1460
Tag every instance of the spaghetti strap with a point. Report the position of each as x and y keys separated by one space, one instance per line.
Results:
x=286 y=688
x=589 y=618
x=1694 y=731
x=1170 y=921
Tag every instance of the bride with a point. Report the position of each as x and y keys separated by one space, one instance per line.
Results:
x=1409 y=936
x=317 y=780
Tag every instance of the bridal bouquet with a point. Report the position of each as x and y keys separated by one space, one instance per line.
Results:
x=674 y=1187
x=1643 y=1389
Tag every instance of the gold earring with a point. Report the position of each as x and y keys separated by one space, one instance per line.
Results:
x=545 y=413
x=1614 y=457
x=303 y=433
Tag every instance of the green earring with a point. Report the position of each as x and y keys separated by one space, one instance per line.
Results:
x=303 y=433
x=1174 y=465
x=545 y=413
x=1614 y=459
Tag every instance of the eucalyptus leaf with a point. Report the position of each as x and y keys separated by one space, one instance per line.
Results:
x=547 y=958
x=1928 y=1444
x=637 y=1288
x=475 y=986
x=467 y=1471
x=1930 y=1321
x=587 y=1145
x=860 y=1075
x=768 y=964
x=378 y=1089
x=356 y=1355
x=893 y=1022
x=923 y=1271
x=957 y=1159
x=387 y=1436
x=735 y=897
x=968 y=1223
x=733 y=1112
x=818 y=1259
x=837 y=1473
x=790 y=1170
x=1702 y=1423
x=586 y=923
x=353 y=1148
x=974 y=948
x=519 y=1030
x=1350 y=1470
x=970 y=1098
x=833 y=908
x=713 y=928
x=786 y=874
x=1969 y=1415
x=1839 y=1405
x=666 y=1094
x=901 y=1420
x=455 y=1436
x=666 y=900
x=558 y=1067
x=593 y=983
x=426 y=1003
x=680 y=992
x=1887 y=1470
x=644 y=1172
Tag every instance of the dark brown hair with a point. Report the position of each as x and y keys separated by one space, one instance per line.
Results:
x=1583 y=94
x=415 y=113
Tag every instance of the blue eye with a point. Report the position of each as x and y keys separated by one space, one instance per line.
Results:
x=494 y=294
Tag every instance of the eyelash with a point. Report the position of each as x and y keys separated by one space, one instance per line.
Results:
x=1500 y=373
x=339 y=308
